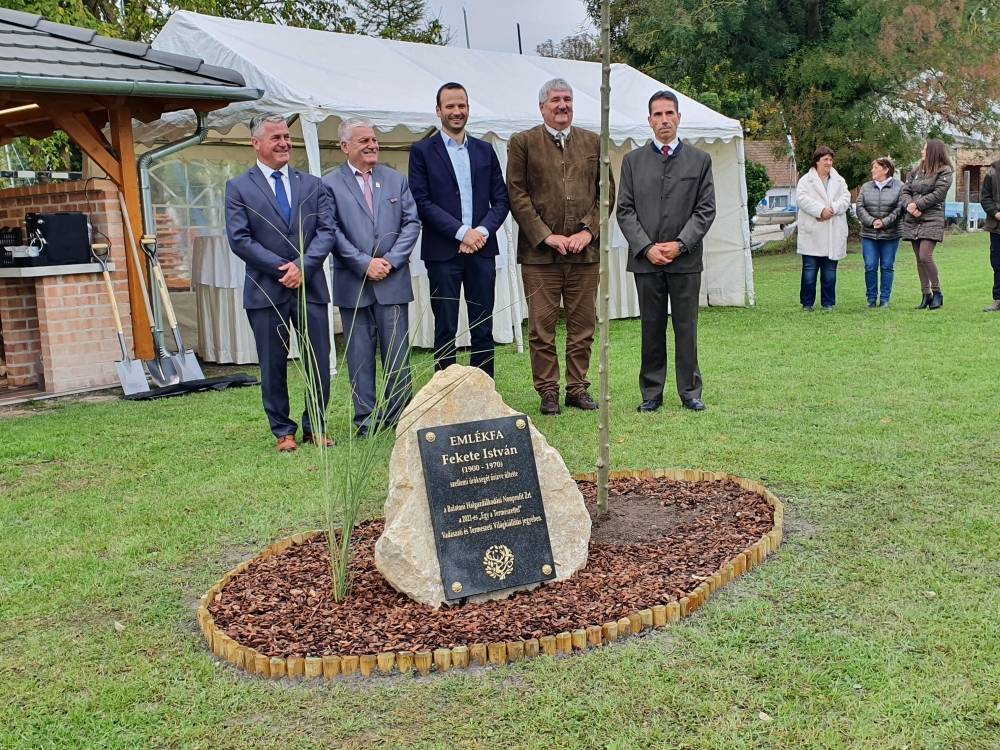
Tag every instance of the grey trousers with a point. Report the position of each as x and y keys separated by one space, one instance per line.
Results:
x=681 y=290
x=387 y=328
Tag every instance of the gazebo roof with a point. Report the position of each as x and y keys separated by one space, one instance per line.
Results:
x=32 y=47
x=57 y=77
x=39 y=58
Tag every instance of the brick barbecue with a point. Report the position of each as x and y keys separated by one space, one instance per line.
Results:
x=58 y=334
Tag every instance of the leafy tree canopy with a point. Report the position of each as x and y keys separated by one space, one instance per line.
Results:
x=582 y=46
x=142 y=19
x=866 y=77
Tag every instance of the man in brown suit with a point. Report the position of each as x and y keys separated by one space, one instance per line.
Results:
x=553 y=178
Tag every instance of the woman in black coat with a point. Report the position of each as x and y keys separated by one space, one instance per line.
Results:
x=923 y=199
x=990 y=198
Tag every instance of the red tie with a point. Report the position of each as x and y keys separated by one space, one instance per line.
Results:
x=665 y=150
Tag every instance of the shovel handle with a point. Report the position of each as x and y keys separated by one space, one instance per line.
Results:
x=136 y=260
x=114 y=302
x=161 y=283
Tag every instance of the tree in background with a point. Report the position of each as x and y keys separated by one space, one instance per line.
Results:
x=581 y=46
x=758 y=183
x=866 y=77
x=142 y=19
x=398 y=19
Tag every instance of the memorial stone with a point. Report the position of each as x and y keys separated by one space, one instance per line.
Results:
x=516 y=514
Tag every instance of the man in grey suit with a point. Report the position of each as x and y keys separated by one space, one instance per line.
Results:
x=665 y=207
x=375 y=228
x=266 y=209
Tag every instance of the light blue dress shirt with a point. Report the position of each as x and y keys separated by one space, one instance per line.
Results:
x=459 y=155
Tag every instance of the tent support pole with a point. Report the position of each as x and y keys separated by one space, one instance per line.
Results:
x=310 y=138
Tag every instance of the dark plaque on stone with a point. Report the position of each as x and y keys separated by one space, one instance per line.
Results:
x=486 y=507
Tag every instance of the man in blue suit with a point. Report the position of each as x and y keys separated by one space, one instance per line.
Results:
x=268 y=209
x=375 y=227
x=461 y=197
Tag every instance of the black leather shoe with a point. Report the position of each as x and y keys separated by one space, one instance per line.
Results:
x=937 y=300
x=550 y=405
x=650 y=405
x=581 y=400
x=924 y=302
x=694 y=404
x=362 y=432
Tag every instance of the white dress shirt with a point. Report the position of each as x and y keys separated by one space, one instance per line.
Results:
x=673 y=145
x=556 y=133
x=268 y=171
x=359 y=176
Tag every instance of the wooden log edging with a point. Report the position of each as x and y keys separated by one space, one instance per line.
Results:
x=479 y=654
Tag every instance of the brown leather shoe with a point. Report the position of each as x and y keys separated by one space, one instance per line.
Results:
x=317 y=438
x=581 y=400
x=287 y=444
x=550 y=404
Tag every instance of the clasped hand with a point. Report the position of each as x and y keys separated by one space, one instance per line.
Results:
x=913 y=211
x=293 y=275
x=574 y=243
x=662 y=253
x=378 y=269
x=472 y=242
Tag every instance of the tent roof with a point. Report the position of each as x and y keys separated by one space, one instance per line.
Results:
x=320 y=74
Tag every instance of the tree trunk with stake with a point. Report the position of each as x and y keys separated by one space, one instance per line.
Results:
x=604 y=447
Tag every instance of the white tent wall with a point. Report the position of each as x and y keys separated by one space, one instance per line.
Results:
x=316 y=76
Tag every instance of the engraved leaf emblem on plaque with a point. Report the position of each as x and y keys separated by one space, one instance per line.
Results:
x=498 y=561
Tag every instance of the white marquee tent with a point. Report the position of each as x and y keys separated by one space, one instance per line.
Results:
x=323 y=77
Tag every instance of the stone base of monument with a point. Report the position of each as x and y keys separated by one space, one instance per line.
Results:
x=379 y=631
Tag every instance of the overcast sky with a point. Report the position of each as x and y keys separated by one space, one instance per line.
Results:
x=492 y=23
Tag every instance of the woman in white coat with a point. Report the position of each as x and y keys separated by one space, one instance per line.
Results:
x=822 y=199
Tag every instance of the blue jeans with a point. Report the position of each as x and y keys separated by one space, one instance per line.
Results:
x=813 y=265
x=878 y=254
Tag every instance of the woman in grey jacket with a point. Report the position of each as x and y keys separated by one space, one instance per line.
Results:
x=879 y=210
x=923 y=225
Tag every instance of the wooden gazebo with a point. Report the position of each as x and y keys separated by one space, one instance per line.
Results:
x=58 y=77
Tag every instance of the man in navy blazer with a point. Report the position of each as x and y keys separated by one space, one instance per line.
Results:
x=375 y=228
x=268 y=209
x=461 y=197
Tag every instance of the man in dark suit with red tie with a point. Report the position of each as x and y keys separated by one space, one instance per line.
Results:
x=461 y=197
x=665 y=208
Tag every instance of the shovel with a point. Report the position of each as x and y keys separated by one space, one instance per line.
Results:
x=161 y=368
x=185 y=359
x=130 y=372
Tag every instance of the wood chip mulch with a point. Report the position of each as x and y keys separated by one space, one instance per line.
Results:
x=663 y=537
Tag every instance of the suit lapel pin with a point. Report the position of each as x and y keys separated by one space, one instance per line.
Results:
x=378 y=185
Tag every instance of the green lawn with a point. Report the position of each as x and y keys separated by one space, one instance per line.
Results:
x=877 y=625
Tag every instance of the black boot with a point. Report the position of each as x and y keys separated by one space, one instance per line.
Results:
x=936 y=301
x=924 y=302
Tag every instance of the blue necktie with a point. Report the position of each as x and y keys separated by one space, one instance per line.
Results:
x=279 y=192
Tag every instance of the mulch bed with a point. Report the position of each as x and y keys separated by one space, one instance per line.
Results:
x=662 y=539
